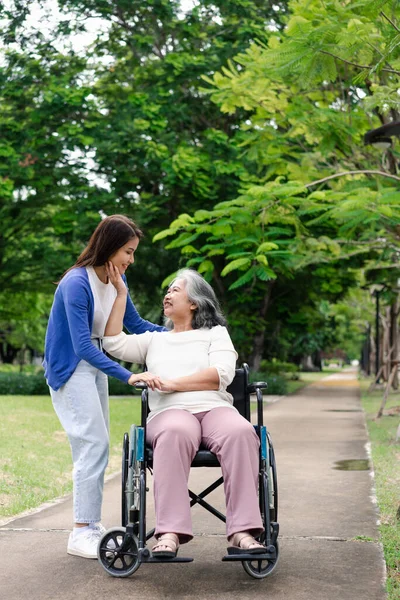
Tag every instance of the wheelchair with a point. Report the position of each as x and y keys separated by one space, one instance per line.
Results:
x=123 y=549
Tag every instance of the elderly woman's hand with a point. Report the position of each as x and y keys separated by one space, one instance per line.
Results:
x=167 y=386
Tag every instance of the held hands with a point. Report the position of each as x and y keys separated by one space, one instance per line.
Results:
x=114 y=276
x=153 y=381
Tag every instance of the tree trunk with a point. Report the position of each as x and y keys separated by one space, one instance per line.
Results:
x=394 y=338
x=7 y=353
x=317 y=359
x=258 y=340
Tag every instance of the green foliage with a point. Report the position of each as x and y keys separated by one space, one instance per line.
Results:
x=21 y=384
x=279 y=367
x=277 y=384
x=303 y=121
x=23 y=320
x=34 y=384
x=214 y=145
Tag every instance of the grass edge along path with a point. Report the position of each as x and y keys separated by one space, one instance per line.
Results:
x=35 y=456
x=385 y=455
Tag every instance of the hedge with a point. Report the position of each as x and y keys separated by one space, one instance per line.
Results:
x=277 y=384
x=24 y=384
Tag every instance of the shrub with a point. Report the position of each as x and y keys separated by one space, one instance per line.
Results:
x=277 y=384
x=279 y=367
x=119 y=388
x=24 y=384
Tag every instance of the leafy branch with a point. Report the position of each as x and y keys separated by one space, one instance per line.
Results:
x=361 y=172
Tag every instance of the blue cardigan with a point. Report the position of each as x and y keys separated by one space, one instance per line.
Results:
x=69 y=329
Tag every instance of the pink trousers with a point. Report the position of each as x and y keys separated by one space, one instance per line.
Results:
x=175 y=435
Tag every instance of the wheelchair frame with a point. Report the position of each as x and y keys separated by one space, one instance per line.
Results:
x=123 y=549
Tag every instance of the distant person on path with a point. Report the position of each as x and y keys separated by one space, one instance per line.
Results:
x=76 y=367
x=189 y=369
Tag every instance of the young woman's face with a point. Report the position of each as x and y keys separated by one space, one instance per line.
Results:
x=176 y=301
x=125 y=255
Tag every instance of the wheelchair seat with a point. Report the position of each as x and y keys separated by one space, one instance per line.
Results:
x=203 y=458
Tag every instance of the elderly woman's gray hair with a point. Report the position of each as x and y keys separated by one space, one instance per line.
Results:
x=208 y=312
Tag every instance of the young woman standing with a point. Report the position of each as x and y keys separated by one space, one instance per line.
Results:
x=76 y=368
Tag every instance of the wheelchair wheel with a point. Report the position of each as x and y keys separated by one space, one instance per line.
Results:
x=125 y=462
x=259 y=569
x=273 y=483
x=118 y=552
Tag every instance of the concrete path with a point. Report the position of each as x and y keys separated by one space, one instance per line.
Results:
x=328 y=543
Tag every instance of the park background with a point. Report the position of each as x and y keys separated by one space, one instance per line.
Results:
x=233 y=133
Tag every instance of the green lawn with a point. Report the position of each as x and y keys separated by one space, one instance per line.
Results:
x=386 y=462
x=35 y=457
x=306 y=379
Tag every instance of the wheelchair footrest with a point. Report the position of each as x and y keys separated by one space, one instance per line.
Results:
x=238 y=554
x=177 y=559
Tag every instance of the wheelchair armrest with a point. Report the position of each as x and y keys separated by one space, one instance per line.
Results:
x=261 y=385
x=140 y=385
x=145 y=403
x=255 y=388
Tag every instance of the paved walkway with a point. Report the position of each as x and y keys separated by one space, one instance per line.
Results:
x=329 y=539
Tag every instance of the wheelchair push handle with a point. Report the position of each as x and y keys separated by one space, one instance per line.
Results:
x=261 y=385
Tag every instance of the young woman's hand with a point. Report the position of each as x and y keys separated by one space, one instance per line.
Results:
x=153 y=381
x=114 y=276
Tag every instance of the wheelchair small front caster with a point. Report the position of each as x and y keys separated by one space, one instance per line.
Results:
x=259 y=569
x=118 y=552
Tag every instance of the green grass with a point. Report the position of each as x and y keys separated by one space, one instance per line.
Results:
x=306 y=379
x=386 y=461
x=35 y=457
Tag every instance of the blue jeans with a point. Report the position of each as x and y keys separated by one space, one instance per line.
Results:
x=81 y=405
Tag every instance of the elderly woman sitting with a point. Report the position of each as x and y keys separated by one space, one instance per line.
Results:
x=189 y=369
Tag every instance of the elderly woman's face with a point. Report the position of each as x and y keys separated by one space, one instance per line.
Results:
x=176 y=302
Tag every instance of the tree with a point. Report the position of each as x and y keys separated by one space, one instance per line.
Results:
x=121 y=128
x=298 y=140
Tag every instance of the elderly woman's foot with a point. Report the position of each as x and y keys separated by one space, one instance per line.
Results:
x=166 y=547
x=244 y=543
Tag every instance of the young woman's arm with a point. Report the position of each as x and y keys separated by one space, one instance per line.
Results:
x=132 y=348
x=116 y=319
x=134 y=322
x=75 y=299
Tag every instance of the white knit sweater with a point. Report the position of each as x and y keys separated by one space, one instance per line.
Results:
x=171 y=355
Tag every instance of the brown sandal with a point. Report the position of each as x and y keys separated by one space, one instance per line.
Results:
x=244 y=543
x=169 y=542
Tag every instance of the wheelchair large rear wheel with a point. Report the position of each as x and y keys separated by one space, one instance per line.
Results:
x=118 y=552
x=259 y=569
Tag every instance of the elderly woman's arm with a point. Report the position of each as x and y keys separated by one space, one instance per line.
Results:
x=220 y=373
x=207 y=379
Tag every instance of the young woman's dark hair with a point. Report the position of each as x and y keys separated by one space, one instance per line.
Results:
x=110 y=235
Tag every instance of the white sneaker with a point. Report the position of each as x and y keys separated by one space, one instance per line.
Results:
x=98 y=527
x=84 y=544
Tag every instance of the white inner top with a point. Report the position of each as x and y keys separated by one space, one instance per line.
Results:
x=104 y=295
x=172 y=355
